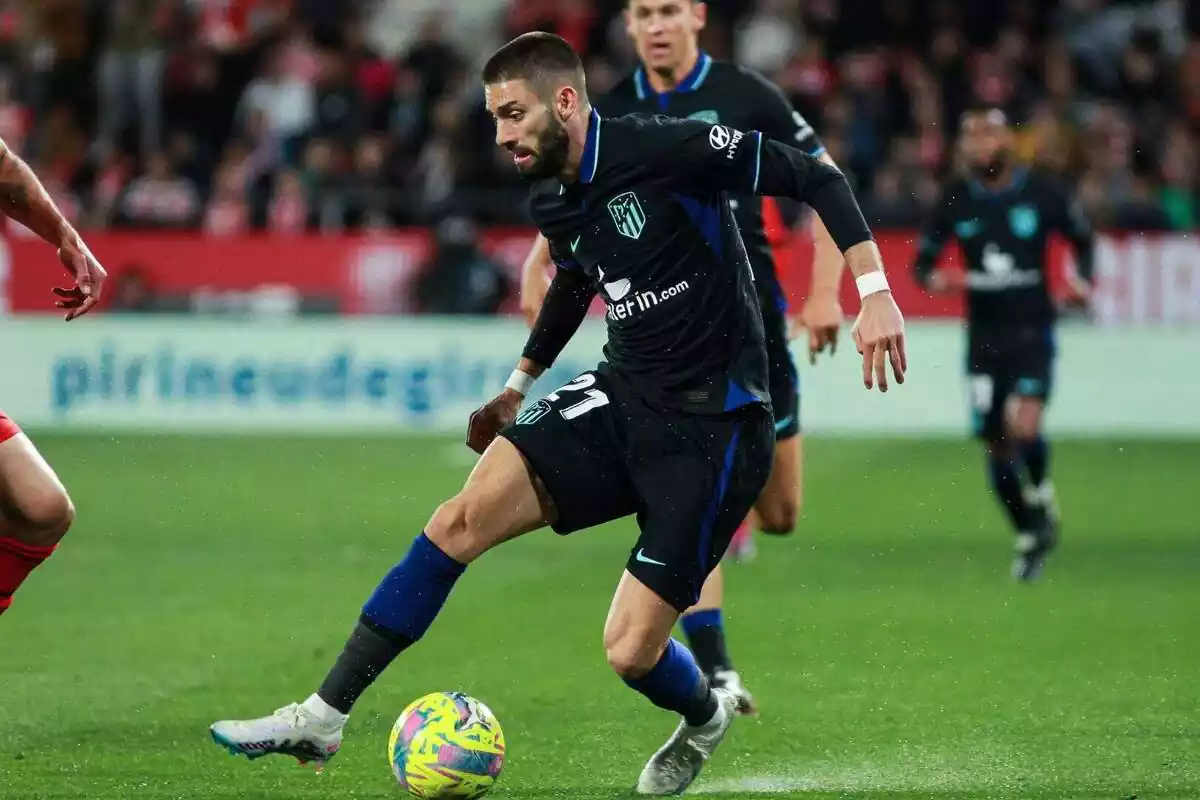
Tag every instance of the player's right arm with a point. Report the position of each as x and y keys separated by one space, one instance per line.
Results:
x=24 y=199
x=566 y=305
x=934 y=235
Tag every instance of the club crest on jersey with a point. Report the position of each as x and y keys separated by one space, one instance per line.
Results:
x=533 y=413
x=1023 y=220
x=627 y=215
x=708 y=115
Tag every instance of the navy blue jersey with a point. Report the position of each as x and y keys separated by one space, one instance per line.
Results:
x=724 y=93
x=1004 y=235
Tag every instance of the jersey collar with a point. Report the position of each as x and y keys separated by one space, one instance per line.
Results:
x=691 y=82
x=590 y=159
x=1018 y=180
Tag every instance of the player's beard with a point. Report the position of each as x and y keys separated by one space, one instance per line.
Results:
x=553 y=148
x=993 y=168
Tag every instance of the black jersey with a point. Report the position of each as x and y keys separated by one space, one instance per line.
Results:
x=1004 y=234
x=724 y=93
x=648 y=224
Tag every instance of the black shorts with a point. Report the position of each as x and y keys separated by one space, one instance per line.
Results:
x=783 y=376
x=996 y=374
x=603 y=453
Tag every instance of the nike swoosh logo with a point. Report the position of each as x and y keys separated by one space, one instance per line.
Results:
x=575 y=244
x=783 y=423
x=642 y=557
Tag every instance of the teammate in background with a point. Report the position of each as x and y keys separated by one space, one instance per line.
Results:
x=1002 y=215
x=678 y=79
x=674 y=426
x=35 y=511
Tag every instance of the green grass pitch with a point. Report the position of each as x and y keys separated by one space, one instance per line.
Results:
x=892 y=656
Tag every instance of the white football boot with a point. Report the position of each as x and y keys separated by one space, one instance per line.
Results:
x=731 y=682
x=673 y=768
x=310 y=732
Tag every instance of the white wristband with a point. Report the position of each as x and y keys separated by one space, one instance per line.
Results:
x=520 y=382
x=871 y=283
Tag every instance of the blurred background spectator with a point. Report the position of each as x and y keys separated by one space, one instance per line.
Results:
x=326 y=115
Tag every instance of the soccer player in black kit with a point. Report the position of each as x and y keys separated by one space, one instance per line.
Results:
x=1002 y=215
x=678 y=79
x=674 y=426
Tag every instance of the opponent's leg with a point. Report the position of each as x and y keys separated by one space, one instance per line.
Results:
x=501 y=500
x=35 y=510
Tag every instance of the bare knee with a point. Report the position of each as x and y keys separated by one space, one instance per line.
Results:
x=631 y=650
x=458 y=529
x=1024 y=426
x=779 y=515
x=45 y=516
x=1025 y=419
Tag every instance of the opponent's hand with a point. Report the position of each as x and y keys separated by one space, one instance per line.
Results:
x=947 y=280
x=490 y=418
x=89 y=281
x=533 y=293
x=878 y=334
x=822 y=317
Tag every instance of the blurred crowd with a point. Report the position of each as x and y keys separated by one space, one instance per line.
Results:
x=290 y=115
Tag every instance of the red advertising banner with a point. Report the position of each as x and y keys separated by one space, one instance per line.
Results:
x=1142 y=279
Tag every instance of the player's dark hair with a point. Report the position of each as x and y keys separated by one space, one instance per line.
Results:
x=542 y=59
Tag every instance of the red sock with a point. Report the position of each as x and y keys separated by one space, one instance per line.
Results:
x=17 y=560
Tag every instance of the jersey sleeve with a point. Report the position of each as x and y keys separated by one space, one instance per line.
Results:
x=566 y=305
x=936 y=231
x=561 y=256
x=720 y=158
x=779 y=120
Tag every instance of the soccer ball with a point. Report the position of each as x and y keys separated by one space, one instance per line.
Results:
x=446 y=745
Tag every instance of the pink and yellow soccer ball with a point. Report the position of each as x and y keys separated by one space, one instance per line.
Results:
x=446 y=745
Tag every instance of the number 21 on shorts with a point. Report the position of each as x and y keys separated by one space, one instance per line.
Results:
x=593 y=398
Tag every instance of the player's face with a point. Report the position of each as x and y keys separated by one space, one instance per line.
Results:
x=986 y=143
x=529 y=129
x=665 y=32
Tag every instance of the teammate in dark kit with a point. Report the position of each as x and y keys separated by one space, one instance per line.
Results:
x=674 y=426
x=1003 y=215
x=676 y=78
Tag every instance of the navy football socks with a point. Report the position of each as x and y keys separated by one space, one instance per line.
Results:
x=1006 y=482
x=677 y=684
x=1036 y=455
x=705 y=632
x=399 y=612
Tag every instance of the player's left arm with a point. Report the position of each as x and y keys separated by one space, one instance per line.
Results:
x=822 y=314
x=25 y=199
x=1067 y=218
x=725 y=159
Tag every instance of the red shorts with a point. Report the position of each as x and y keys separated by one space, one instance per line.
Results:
x=8 y=428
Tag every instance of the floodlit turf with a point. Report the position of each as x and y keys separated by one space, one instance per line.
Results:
x=891 y=655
